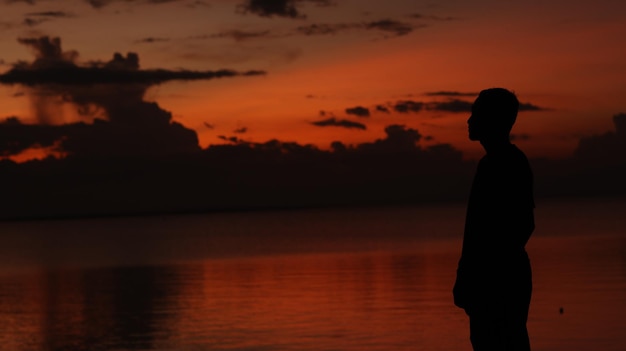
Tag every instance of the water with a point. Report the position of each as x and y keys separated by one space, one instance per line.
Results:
x=348 y=279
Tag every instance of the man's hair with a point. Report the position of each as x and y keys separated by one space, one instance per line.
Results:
x=501 y=104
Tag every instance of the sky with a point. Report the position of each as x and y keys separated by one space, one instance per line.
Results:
x=324 y=57
x=157 y=77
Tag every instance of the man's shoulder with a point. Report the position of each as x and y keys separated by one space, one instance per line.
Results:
x=518 y=156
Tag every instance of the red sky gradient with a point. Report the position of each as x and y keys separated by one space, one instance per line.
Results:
x=566 y=57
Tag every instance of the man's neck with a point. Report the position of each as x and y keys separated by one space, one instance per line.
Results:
x=495 y=146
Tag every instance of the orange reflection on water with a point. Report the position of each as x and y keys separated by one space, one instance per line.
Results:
x=384 y=300
x=349 y=302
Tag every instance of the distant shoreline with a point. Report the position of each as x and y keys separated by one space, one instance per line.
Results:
x=281 y=208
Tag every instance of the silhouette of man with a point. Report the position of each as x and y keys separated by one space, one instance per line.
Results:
x=494 y=282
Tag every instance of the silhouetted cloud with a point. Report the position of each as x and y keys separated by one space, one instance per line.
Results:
x=109 y=92
x=394 y=27
x=608 y=148
x=408 y=106
x=238 y=174
x=241 y=130
x=526 y=106
x=53 y=14
x=399 y=138
x=241 y=35
x=333 y=122
x=452 y=105
x=16 y=137
x=231 y=139
x=102 y=3
x=53 y=66
x=35 y=18
x=151 y=40
x=358 y=111
x=382 y=108
x=280 y=8
x=31 y=22
x=326 y=28
x=269 y=8
x=209 y=125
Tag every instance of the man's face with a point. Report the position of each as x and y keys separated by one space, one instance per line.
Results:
x=477 y=123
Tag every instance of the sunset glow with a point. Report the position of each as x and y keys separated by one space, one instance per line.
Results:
x=564 y=57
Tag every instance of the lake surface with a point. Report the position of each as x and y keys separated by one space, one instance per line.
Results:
x=340 y=279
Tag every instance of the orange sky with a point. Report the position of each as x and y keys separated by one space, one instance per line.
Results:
x=565 y=57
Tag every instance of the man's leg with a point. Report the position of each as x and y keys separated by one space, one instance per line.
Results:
x=516 y=332
x=485 y=331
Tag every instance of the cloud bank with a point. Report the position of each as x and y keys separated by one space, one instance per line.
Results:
x=110 y=93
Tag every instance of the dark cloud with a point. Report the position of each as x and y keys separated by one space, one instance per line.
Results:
x=102 y=3
x=48 y=55
x=151 y=40
x=54 y=66
x=455 y=105
x=269 y=8
x=333 y=122
x=387 y=25
x=527 y=106
x=406 y=106
x=451 y=93
x=382 y=108
x=608 y=148
x=395 y=169
x=110 y=93
x=452 y=105
x=16 y=137
x=231 y=139
x=279 y=8
x=358 y=111
x=326 y=28
x=241 y=130
x=33 y=19
x=399 y=138
x=32 y=22
x=240 y=35
x=53 y=14
x=209 y=125
x=597 y=168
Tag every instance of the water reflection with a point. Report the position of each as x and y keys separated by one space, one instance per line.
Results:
x=359 y=301
x=119 y=308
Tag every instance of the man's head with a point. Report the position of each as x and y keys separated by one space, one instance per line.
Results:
x=493 y=114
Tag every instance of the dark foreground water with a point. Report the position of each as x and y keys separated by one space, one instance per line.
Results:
x=349 y=279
